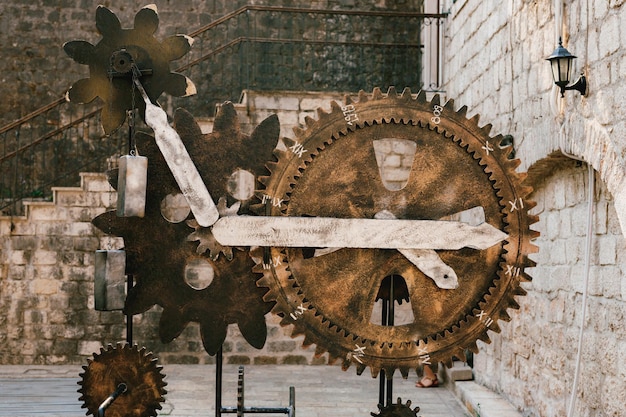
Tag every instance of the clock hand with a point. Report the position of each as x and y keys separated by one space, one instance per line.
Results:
x=324 y=232
x=180 y=163
x=427 y=261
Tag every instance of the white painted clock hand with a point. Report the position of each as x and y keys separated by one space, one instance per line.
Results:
x=178 y=160
x=328 y=232
x=427 y=261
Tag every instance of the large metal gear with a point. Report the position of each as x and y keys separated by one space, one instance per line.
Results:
x=166 y=242
x=331 y=170
x=123 y=364
x=110 y=62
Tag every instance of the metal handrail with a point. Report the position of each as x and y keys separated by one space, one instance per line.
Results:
x=56 y=105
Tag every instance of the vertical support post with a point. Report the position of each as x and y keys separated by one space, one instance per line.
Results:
x=129 y=317
x=385 y=390
x=218 y=383
x=390 y=322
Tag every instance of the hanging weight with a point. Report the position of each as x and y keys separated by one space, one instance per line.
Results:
x=110 y=280
x=131 y=186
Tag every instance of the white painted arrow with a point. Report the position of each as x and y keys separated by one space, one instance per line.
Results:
x=327 y=232
x=178 y=160
x=427 y=261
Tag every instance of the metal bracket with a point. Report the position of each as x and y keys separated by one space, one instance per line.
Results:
x=240 y=409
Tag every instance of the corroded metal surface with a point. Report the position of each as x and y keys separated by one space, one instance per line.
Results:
x=331 y=170
x=128 y=365
x=163 y=246
x=397 y=409
x=110 y=77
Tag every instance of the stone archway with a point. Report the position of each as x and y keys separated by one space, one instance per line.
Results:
x=591 y=142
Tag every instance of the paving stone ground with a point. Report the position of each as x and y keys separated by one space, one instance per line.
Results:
x=320 y=391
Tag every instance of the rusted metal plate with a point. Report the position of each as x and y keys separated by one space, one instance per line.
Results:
x=116 y=88
x=132 y=183
x=110 y=280
x=332 y=169
x=123 y=364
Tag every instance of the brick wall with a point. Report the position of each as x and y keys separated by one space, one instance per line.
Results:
x=495 y=65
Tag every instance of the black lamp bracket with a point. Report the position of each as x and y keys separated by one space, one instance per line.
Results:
x=580 y=85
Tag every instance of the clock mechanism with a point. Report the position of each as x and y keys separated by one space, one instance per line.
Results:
x=452 y=167
x=389 y=195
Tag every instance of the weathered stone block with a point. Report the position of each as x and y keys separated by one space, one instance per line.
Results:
x=43 y=257
x=45 y=286
x=88 y=348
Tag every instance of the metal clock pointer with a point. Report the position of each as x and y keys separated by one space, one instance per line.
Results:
x=417 y=240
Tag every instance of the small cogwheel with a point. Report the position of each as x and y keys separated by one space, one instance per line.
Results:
x=123 y=364
x=397 y=410
x=110 y=64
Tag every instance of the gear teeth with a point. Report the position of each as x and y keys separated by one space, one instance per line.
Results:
x=421 y=97
x=449 y=105
x=449 y=342
x=485 y=337
x=462 y=112
x=335 y=107
x=309 y=121
x=377 y=94
x=360 y=368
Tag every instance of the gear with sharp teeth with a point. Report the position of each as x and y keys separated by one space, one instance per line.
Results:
x=110 y=62
x=419 y=160
x=397 y=410
x=123 y=364
x=161 y=252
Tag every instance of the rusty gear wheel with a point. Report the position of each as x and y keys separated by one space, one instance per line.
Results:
x=335 y=168
x=160 y=252
x=110 y=65
x=397 y=410
x=128 y=365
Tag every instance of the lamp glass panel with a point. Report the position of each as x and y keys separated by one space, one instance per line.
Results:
x=562 y=70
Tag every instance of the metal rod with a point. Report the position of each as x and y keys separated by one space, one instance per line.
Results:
x=129 y=316
x=258 y=410
x=390 y=322
x=121 y=388
x=382 y=376
x=218 y=383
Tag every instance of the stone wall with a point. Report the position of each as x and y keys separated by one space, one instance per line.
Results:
x=36 y=71
x=496 y=66
x=47 y=313
x=533 y=360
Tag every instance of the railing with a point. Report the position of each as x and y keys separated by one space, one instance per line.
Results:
x=254 y=47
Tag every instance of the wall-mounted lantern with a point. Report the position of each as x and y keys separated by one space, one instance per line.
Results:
x=562 y=63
